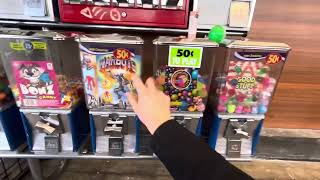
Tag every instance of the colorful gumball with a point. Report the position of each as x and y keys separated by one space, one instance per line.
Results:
x=191 y=108
x=222 y=108
x=231 y=108
x=185 y=93
x=239 y=109
x=241 y=97
x=254 y=110
x=262 y=109
x=247 y=109
x=174 y=97
x=194 y=82
x=184 y=106
x=200 y=107
x=231 y=92
x=234 y=82
x=238 y=69
x=223 y=99
x=194 y=74
x=194 y=92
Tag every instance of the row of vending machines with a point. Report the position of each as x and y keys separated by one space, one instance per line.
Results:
x=70 y=89
x=234 y=14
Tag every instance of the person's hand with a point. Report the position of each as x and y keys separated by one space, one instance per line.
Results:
x=150 y=104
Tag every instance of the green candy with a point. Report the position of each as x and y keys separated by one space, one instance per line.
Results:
x=217 y=33
x=194 y=92
x=174 y=97
x=231 y=108
x=238 y=69
x=161 y=88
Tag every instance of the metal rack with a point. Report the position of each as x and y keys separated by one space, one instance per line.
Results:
x=34 y=159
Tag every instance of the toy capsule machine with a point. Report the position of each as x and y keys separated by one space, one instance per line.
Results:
x=45 y=76
x=12 y=136
x=251 y=75
x=109 y=62
x=183 y=71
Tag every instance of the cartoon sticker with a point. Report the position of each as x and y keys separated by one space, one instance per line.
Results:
x=108 y=73
x=36 y=81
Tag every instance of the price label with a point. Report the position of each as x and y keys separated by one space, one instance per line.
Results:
x=273 y=58
x=182 y=56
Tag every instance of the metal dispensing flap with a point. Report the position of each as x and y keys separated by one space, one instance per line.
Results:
x=111 y=38
x=259 y=45
x=183 y=41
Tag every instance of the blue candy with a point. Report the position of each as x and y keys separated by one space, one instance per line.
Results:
x=262 y=109
x=194 y=74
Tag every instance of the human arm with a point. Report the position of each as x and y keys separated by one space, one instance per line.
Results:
x=185 y=156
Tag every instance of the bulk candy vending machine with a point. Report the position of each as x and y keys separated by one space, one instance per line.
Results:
x=183 y=70
x=45 y=76
x=252 y=72
x=109 y=62
x=12 y=136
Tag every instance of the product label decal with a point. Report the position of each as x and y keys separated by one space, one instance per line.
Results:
x=184 y=56
x=36 y=81
x=28 y=45
x=108 y=74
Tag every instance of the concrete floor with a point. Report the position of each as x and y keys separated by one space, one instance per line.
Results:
x=153 y=169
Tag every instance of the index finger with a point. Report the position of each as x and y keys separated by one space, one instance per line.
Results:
x=138 y=84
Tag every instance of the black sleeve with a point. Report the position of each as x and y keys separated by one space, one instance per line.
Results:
x=188 y=158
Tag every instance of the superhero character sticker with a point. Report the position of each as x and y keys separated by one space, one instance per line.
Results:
x=36 y=83
x=107 y=75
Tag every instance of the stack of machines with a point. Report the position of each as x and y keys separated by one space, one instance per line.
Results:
x=109 y=62
x=45 y=76
x=245 y=88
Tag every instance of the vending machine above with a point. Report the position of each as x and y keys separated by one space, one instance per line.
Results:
x=151 y=13
x=31 y=10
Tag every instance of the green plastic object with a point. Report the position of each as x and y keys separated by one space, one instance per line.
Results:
x=217 y=33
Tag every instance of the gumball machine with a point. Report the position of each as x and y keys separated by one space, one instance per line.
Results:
x=45 y=77
x=252 y=72
x=109 y=62
x=12 y=136
x=183 y=70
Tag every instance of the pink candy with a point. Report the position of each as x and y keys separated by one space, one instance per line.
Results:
x=222 y=108
x=239 y=109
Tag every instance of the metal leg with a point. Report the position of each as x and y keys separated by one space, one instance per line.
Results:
x=34 y=165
